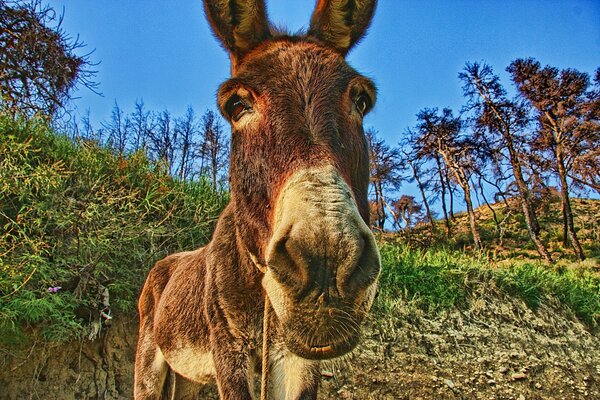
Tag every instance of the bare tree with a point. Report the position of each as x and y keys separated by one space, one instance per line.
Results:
x=416 y=166
x=385 y=166
x=503 y=120
x=87 y=130
x=439 y=177
x=559 y=98
x=214 y=149
x=439 y=133
x=141 y=124
x=188 y=133
x=39 y=67
x=162 y=141
x=117 y=129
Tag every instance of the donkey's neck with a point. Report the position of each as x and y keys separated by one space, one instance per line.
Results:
x=228 y=251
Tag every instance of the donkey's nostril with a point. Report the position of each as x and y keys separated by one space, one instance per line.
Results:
x=364 y=270
x=287 y=264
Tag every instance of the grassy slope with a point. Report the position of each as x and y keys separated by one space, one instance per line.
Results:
x=81 y=226
x=516 y=241
x=432 y=276
x=439 y=279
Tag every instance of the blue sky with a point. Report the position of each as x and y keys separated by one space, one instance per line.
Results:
x=163 y=52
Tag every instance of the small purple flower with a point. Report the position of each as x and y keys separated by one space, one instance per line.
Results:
x=54 y=289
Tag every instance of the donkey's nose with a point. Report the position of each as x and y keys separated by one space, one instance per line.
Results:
x=311 y=258
x=360 y=271
x=319 y=238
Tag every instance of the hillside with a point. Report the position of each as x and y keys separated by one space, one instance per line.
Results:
x=81 y=226
x=510 y=238
x=455 y=331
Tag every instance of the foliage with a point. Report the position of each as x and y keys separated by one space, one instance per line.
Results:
x=500 y=149
x=186 y=145
x=439 y=279
x=81 y=226
x=39 y=66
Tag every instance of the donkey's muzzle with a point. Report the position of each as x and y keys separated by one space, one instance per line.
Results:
x=322 y=263
x=320 y=242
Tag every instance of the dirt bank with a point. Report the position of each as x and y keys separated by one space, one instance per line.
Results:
x=496 y=349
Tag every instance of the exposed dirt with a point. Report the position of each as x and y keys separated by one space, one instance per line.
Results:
x=497 y=349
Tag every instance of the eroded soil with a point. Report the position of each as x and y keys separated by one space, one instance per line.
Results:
x=496 y=349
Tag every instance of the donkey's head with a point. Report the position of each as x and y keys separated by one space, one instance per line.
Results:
x=299 y=167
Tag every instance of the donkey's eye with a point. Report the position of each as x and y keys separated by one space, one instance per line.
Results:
x=236 y=107
x=362 y=102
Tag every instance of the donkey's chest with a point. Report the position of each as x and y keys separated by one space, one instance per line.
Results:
x=193 y=362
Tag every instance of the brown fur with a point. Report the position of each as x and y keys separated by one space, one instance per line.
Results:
x=299 y=211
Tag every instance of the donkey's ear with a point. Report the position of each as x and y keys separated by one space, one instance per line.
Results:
x=240 y=25
x=341 y=23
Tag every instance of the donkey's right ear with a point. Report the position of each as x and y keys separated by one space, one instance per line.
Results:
x=240 y=25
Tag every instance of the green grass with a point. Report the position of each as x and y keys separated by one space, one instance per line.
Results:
x=441 y=279
x=79 y=217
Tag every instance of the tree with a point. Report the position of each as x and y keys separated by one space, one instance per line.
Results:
x=421 y=150
x=384 y=165
x=162 y=141
x=440 y=133
x=559 y=98
x=503 y=121
x=117 y=130
x=188 y=133
x=141 y=124
x=214 y=149
x=585 y=170
x=407 y=209
x=409 y=160
x=39 y=67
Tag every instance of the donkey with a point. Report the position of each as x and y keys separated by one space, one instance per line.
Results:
x=294 y=238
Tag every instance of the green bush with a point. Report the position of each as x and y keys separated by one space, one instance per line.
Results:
x=78 y=217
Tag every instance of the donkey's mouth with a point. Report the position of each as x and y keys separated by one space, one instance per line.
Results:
x=322 y=351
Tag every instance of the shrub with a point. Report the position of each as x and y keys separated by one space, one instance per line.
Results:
x=81 y=226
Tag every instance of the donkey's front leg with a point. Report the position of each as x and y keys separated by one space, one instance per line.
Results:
x=233 y=367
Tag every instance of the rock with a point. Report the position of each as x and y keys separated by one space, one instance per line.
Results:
x=449 y=383
x=519 y=376
x=327 y=374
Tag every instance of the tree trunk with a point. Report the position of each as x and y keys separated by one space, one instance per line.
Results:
x=451 y=193
x=566 y=204
x=443 y=187
x=533 y=226
x=184 y=157
x=380 y=207
x=489 y=206
x=463 y=182
x=565 y=228
x=471 y=212
x=425 y=202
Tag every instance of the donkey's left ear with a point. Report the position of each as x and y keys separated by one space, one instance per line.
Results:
x=240 y=25
x=341 y=23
